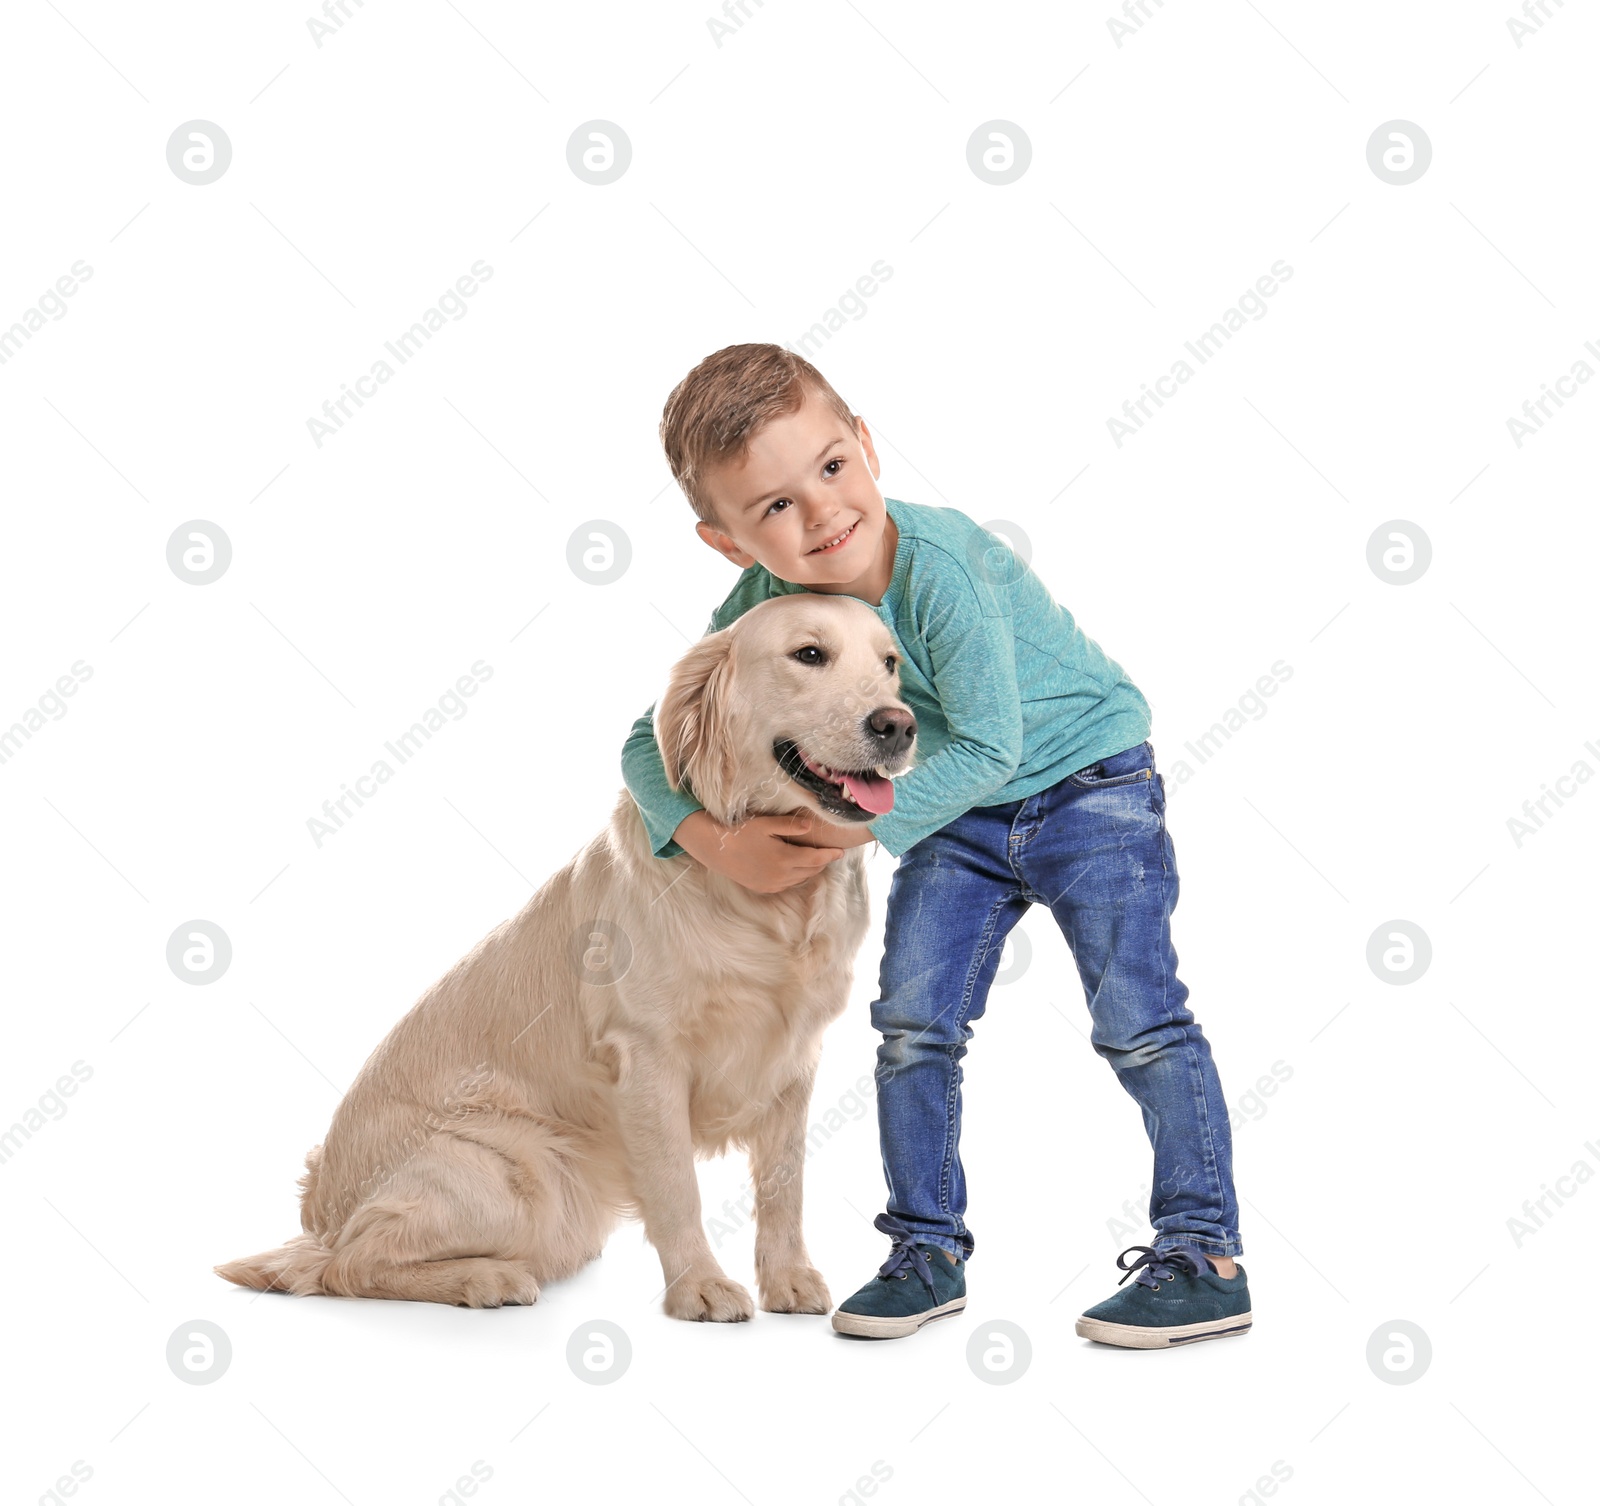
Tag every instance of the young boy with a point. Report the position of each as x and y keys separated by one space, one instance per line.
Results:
x=1033 y=784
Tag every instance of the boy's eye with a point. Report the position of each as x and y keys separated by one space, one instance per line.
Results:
x=810 y=648
x=837 y=460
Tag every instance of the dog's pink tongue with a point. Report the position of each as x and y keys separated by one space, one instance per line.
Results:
x=872 y=791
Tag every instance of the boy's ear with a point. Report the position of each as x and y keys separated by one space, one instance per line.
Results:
x=694 y=723
x=716 y=539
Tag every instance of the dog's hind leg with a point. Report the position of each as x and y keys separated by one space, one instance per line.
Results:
x=469 y=1281
x=491 y=1207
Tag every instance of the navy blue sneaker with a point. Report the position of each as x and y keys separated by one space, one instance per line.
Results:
x=1176 y=1298
x=915 y=1285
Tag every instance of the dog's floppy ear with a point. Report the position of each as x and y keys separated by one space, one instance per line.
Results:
x=694 y=724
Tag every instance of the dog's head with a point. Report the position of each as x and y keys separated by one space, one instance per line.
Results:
x=795 y=704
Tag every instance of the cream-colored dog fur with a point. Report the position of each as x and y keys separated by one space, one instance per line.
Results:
x=636 y=1014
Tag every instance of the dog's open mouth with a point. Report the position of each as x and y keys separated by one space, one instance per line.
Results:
x=856 y=793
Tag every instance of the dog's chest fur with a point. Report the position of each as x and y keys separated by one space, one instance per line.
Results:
x=770 y=981
x=754 y=979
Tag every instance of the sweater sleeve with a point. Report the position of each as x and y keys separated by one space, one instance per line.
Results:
x=661 y=807
x=971 y=648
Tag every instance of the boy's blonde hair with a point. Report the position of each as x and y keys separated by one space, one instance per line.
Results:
x=715 y=411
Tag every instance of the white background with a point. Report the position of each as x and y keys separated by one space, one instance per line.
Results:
x=768 y=174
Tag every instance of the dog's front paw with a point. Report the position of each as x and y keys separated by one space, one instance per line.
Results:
x=708 y=1299
x=794 y=1289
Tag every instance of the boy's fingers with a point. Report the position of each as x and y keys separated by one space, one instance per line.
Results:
x=797 y=823
x=805 y=868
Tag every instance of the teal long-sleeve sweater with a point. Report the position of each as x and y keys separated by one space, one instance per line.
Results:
x=1010 y=694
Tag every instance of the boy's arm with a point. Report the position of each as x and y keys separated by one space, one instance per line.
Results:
x=661 y=807
x=972 y=649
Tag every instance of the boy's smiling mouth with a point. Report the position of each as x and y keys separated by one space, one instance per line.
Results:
x=838 y=541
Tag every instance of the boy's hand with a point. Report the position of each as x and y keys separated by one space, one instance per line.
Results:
x=825 y=833
x=767 y=854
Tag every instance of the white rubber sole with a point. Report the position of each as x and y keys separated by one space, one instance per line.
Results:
x=1125 y=1336
x=892 y=1328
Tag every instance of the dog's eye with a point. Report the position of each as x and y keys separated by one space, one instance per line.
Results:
x=891 y=661
x=810 y=648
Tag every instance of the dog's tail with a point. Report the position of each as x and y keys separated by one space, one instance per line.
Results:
x=295 y=1267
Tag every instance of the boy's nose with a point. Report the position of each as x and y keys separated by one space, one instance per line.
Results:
x=892 y=729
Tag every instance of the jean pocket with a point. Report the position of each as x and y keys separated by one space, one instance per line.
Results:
x=1132 y=766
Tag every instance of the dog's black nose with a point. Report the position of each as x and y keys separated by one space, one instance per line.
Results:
x=892 y=729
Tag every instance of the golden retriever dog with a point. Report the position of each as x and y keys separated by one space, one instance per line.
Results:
x=635 y=1015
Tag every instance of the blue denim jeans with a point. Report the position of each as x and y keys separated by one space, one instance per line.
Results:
x=1095 y=849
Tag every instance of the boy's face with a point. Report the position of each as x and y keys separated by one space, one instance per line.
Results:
x=807 y=479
